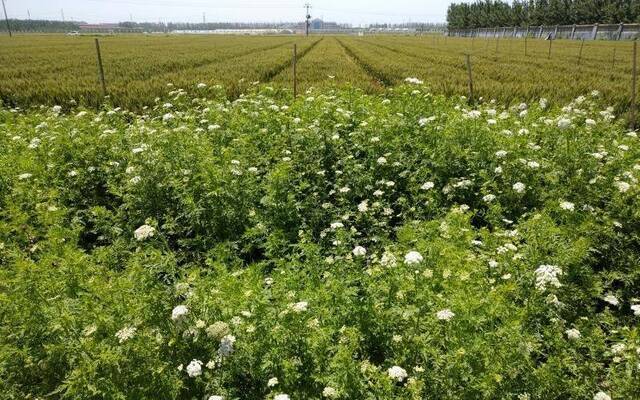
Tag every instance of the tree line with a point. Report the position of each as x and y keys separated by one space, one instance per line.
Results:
x=34 y=25
x=497 y=13
x=189 y=26
x=23 y=25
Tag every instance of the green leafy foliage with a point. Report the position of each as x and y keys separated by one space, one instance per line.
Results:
x=341 y=245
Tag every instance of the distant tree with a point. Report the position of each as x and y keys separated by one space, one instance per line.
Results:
x=495 y=13
x=23 y=25
x=519 y=13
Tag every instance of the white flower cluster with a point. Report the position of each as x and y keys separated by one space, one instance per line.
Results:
x=519 y=187
x=359 y=251
x=547 y=275
x=425 y=121
x=601 y=396
x=336 y=225
x=300 y=306
x=179 y=313
x=472 y=114
x=397 y=373
x=488 y=198
x=194 y=368
x=564 y=123
x=445 y=315
x=573 y=334
x=611 y=299
x=412 y=258
x=125 y=334
x=144 y=232
x=427 y=186
x=329 y=392
x=623 y=187
x=414 y=81
x=567 y=205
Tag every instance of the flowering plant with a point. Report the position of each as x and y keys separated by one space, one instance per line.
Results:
x=344 y=245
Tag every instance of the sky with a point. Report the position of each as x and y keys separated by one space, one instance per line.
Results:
x=356 y=12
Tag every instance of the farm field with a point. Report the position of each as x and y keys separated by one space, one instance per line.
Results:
x=57 y=69
x=204 y=234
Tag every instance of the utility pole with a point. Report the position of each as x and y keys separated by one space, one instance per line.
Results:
x=28 y=14
x=204 y=18
x=6 y=18
x=62 y=13
x=307 y=19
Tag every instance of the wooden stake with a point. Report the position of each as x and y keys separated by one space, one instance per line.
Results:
x=101 y=69
x=613 y=62
x=550 y=41
x=580 y=55
x=295 y=71
x=634 y=84
x=525 y=46
x=468 y=57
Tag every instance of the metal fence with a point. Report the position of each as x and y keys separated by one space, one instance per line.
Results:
x=576 y=32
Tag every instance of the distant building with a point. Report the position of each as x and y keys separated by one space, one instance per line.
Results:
x=318 y=25
x=98 y=26
x=107 y=28
x=249 y=32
